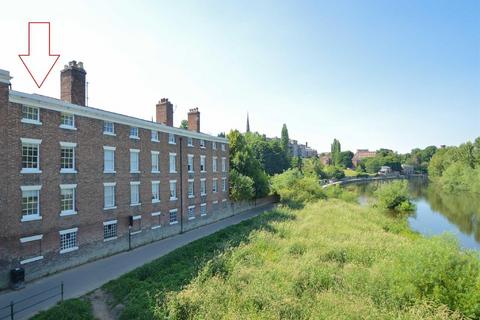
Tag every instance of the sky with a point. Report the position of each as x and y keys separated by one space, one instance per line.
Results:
x=373 y=74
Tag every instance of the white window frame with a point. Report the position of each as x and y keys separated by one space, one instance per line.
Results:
x=67 y=126
x=174 y=155
x=203 y=164
x=214 y=164
x=33 y=142
x=108 y=133
x=70 y=249
x=171 y=138
x=37 y=237
x=134 y=136
x=170 y=216
x=107 y=148
x=192 y=193
x=109 y=185
x=191 y=166
x=107 y=223
x=156 y=199
x=203 y=182
x=215 y=185
x=135 y=185
x=157 y=216
x=132 y=168
x=224 y=184
x=38 y=215
x=31 y=121
x=189 y=141
x=74 y=147
x=214 y=145
x=72 y=187
x=155 y=156
x=155 y=136
x=224 y=164
x=175 y=195
x=203 y=206
x=223 y=147
x=202 y=144
x=191 y=217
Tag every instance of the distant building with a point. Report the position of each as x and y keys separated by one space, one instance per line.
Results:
x=362 y=154
x=301 y=150
x=384 y=170
x=408 y=169
x=326 y=158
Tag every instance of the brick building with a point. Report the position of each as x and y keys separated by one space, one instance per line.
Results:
x=362 y=154
x=78 y=183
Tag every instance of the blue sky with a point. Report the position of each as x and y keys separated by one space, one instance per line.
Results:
x=393 y=74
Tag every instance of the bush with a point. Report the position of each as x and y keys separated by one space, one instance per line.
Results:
x=295 y=189
x=333 y=172
x=394 y=196
x=74 y=309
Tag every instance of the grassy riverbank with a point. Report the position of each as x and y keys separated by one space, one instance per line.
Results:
x=329 y=260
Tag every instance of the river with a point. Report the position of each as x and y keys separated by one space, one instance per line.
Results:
x=438 y=212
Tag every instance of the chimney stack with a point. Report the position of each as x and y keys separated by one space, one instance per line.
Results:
x=72 y=83
x=194 y=120
x=165 y=112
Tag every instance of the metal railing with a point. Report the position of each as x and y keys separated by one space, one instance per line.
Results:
x=15 y=307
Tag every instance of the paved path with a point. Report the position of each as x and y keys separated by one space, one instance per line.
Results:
x=86 y=278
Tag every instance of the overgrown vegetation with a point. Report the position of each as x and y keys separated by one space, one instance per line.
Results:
x=73 y=309
x=394 y=195
x=457 y=169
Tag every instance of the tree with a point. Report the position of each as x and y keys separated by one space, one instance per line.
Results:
x=241 y=187
x=335 y=150
x=184 y=124
x=285 y=138
x=221 y=135
x=345 y=159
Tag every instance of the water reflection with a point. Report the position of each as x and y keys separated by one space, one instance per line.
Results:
x=438 y=212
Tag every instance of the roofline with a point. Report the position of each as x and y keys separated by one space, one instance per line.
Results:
x=90 y=112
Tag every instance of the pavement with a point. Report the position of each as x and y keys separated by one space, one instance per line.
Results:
x=85 y=278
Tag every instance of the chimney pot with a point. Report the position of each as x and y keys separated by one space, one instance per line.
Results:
x=72 y=83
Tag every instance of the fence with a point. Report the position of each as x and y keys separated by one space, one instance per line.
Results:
x=16 y=307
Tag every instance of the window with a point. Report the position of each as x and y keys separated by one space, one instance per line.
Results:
x=137 y=225
x=135 y=193
x=67 y=121
x=190 y=163
x=224 y=184
x=173 y=162
x=109 y=195
x=202 y=143
x=173 y=189
x=31 y=115
x=134 y=133
x=155 y=136
x=31 y=203
x=214 y=185
x=214 y=145
x=223 y=147
x=203 y=209
x=190 y=142
x=110 y=230
x=203 y=187
x=191 y=192
x=68 y=240
x=31 y=249
x=155 y=164
x=171 y=138
x=67 y=199
x=214 y=164
x=224 y=164
x=134 y=160
x=173 y=216
x=109 y=159
x=67 y=157
x=191 y=212
x=155 y=191
x=202 y=164
x=156 y=220
x=30 y=155
x=109 y=128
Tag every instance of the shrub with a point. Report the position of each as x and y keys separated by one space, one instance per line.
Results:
x=74 y=309
x=394 y=196
x=295 y=189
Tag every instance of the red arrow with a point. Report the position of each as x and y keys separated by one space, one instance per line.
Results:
x=39 y=61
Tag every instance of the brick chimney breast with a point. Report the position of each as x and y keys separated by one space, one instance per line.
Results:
x=73 y=83
x=194 y=120
x=165 y=112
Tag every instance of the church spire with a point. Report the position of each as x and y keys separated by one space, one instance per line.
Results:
x=248 y=124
